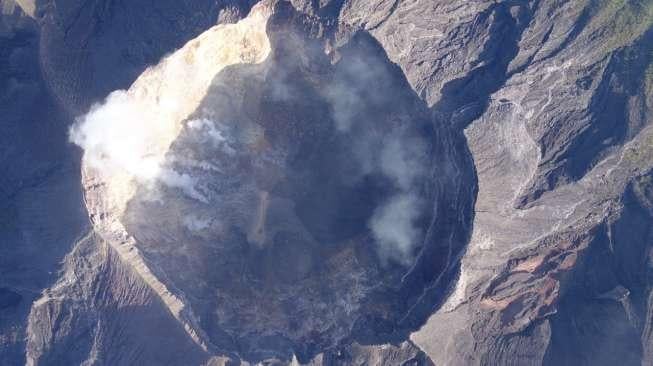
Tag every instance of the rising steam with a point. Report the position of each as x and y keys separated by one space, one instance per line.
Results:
x=395 y=151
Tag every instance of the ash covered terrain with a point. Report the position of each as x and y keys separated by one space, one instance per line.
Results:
x=333 y=182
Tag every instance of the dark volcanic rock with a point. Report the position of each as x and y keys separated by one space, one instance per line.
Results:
x=287 y=261
x=41 y=208
x=514 y=137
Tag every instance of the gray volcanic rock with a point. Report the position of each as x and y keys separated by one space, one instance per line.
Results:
x=400 y=182
x=99 y=305
x=41 y=208
x=90 y=48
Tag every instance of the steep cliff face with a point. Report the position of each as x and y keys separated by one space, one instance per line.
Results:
x=42 y=213
x=348 y=182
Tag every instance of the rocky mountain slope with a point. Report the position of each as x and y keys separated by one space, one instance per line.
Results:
x=393 y=182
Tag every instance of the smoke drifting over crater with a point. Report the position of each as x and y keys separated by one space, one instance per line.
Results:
x=116 y=137
x=395 y=223
x=364 y=104
x=116 y=141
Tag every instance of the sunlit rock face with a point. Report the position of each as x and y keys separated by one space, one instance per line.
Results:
x=278 y=197
x=126 y=137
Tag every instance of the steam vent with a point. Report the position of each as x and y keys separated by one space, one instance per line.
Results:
x=333 y=182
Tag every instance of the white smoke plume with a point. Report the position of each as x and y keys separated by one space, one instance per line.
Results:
x=402 y=159
x=347 y=97
x=117 y=141
x=394 y=150
x=213 y=133
x=393 y=225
